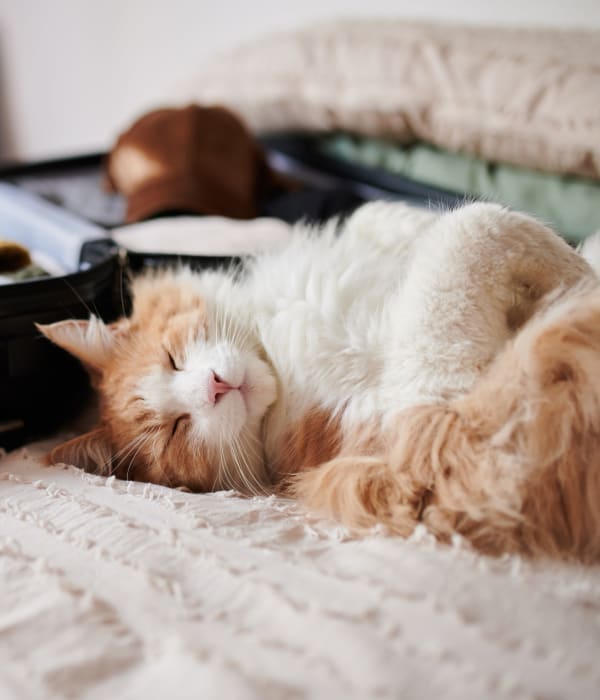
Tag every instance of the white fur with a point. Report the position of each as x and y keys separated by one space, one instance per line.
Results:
x=404 y=307
x=590 y=251
x=187 y=391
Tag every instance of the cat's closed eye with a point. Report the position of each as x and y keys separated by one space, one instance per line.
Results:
x=173 y=363
x=178 y=421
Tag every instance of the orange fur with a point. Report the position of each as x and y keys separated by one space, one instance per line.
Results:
x=167 y=319
x=131 y=441
x=313 y=440
x=317 y=438
x=514 y=466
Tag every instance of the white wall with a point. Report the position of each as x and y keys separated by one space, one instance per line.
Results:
x=73 y=73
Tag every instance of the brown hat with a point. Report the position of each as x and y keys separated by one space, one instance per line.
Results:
x=194 y=159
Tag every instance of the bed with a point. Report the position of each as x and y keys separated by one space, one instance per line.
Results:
x=130 y=590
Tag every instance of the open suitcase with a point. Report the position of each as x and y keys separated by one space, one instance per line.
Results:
x=61 y=208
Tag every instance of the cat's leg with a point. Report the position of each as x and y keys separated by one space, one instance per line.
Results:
x=360 y=492
x=514 y=466
x=476 y=276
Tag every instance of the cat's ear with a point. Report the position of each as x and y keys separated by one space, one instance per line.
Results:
x=91 y=452
x=91 y=341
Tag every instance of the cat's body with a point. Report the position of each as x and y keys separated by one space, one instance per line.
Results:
x=308 y=363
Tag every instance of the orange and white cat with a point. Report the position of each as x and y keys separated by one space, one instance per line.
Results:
x=383 y=370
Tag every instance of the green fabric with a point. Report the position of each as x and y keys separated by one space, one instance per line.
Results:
x=570 y=205
x=25 y=273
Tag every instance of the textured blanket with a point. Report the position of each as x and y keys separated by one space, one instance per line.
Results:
x=114 y=589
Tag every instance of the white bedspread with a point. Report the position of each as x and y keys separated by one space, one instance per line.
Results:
x=124 y=590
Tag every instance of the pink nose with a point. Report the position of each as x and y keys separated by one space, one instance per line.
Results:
x=217 y=387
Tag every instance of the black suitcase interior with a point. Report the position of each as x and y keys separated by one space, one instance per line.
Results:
x=41 y=203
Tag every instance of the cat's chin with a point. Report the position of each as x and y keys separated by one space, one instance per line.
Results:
x=233 y=418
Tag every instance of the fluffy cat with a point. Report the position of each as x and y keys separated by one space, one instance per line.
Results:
x=383 y=370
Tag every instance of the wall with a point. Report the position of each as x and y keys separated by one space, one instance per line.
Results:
x=73 y=73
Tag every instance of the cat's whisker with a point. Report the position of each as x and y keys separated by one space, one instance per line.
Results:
x=218 y=469
x=228 y=326
x=236 y=465
x=223 y=326
x=134 y=451
x=132 y=460
x=246 y=469
x=81 y=299
x=157 y=462
x=131 y=445
x=255 y=449
x=218 y=325
x=237 y=331
x=239 y=470
x=119 y=457
x=245 y=334
x=224 y=468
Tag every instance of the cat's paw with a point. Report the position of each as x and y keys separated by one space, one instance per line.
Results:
x=360 y=492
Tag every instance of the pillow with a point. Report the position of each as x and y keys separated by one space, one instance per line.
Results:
x=523 y=96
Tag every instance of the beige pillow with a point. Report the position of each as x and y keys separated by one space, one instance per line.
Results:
x=529 y=97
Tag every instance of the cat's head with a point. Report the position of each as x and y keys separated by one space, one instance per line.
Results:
x=183 y=385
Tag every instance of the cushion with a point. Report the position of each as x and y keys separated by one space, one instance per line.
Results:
x=523 y=96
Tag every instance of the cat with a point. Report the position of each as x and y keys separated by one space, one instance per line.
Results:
x=404 y=366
